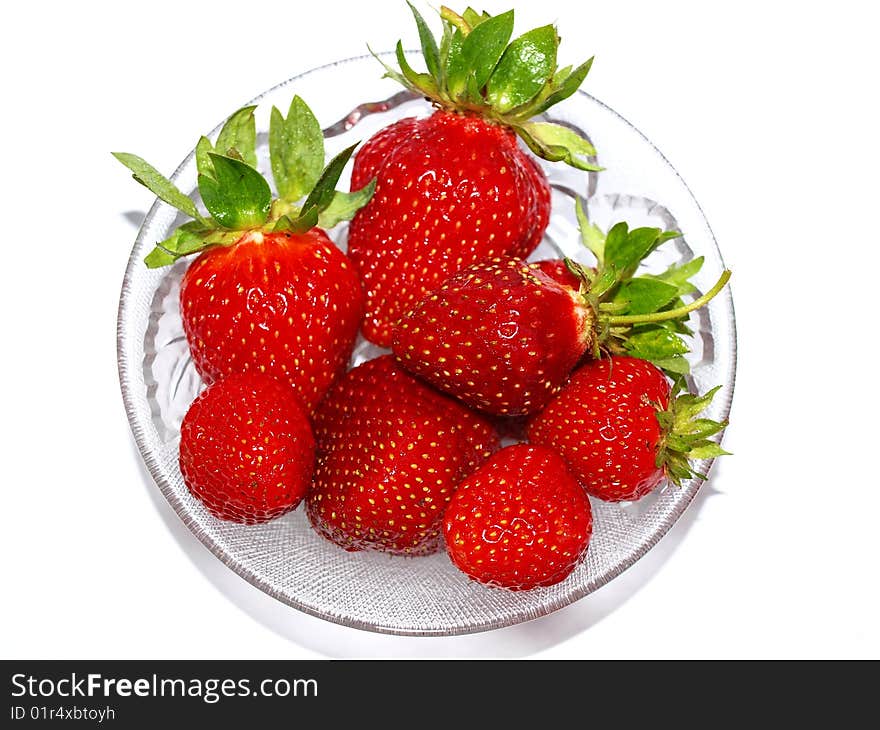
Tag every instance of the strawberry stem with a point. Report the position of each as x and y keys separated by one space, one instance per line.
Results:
x=630 y=319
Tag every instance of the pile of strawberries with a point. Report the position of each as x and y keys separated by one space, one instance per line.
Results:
x=582 y=367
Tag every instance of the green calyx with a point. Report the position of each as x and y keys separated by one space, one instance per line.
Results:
x=686 y=437
x=642 y=316
x=477 y=69
x=238 y=198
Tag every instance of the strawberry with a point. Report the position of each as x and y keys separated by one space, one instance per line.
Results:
x=520 y=521
x=503 y=337
x=456 y=187
x=391 y=452
x=264 y=304
x=246 y=449
x=622 y=429
x=499 y=335
x=269 y=292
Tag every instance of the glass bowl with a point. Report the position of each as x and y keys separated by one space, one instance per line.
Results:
x=374 y=591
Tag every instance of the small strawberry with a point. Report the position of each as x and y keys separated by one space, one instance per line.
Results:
x=269 y=291
x=456 y=188
x=391 y=451
x=622 y=430
x=246 y=449
x=520 y=521
x=503 y=337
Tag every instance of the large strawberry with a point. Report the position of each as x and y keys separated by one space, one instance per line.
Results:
x=246 y=449
x=622 y=430
x=391 y=451
x=269 y=292
x=503 y=336
x=520 y=521
x=456 y=187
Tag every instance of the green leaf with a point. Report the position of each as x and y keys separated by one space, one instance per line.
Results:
x=284 y=223
x=472 y=92
x=158 y=257
x=307 y=220
x=685 y=437
x=625 y=249
x=445 y=42
x=557 y=143
x=296 y=150
x=559 y=76
x=188 y=239
x=591 y=235
x=643 y=295
x=203 y=159
x=655 y=344
x=325 y=189
x=239 y=133
x=185 y=238
x=455 y=68
x=343 y=206
x=673 y=325
x=473 y=18
x=158 y=184
x=239 y=197
x=429 y=45
x=676 y=365
x=525 y=67
x=424 y=82
x=676 y=442
x=480 y=52
x=390 y=73
x=605 y=280
x=679 y=276
x=707 y=451
x=688 y=406
x=563 y=89
x=702 y=428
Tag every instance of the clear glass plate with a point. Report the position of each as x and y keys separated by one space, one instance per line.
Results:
x=417 y=596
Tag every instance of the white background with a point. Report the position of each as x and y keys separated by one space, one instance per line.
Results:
x=765 y=108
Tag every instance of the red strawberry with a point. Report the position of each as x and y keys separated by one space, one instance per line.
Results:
x=391 y=452
x=500 y=335
x=457 y=188
x=621 y=430
x=269 y=292
x=520 y=521
x=246 y=449
x=503 y=336
x=372 y=155
x=284 y=304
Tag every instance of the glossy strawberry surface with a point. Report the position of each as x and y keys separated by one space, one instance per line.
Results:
x=604 y=423
x=520 y=521
x=499 y=335
x=452 y=189
x=284 y=304
x=246 y=449
x=391 y=452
